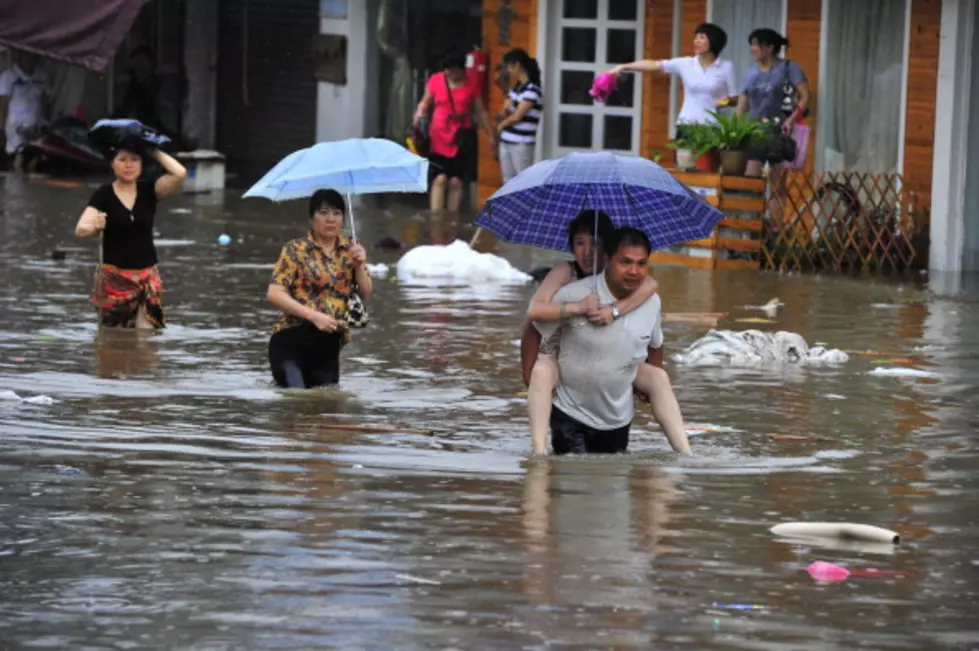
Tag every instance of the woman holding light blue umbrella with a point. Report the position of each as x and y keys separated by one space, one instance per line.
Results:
x=320 y=280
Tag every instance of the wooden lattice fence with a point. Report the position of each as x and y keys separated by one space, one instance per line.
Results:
x=840 y=222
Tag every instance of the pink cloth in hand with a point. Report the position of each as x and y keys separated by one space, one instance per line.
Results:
x=603 y=86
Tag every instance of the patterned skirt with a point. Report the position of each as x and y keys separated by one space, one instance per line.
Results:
x=120 y=293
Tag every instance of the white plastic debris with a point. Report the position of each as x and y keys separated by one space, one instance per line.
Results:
x=456 y=264
x=379 y=270
x=894 y=371
x=10 y=396
x=756 y=348
x=770 y=308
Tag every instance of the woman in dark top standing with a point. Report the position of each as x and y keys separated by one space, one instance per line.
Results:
x=128 y=289
x=776 y=91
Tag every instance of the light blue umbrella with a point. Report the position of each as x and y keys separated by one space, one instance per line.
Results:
x=353 y=166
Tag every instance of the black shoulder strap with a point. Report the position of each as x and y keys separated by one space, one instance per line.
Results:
x=452 y=101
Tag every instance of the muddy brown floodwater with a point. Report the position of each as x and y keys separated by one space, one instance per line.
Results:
x=171 y=497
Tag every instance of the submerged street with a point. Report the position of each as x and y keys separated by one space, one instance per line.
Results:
x=169 y=496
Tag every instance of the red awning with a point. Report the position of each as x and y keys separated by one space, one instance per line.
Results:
x=84 y=33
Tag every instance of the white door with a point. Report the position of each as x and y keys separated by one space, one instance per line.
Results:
x=584 y=38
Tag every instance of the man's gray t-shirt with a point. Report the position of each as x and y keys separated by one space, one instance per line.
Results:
x=598 y=363
x=764 y=88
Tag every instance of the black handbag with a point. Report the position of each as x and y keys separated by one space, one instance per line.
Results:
x=420 y=134
x=465 y=137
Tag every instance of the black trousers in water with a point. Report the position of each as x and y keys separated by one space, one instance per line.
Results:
x=568 y=436
x=303 y=357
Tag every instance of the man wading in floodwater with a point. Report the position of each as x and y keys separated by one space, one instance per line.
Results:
x=593 y=406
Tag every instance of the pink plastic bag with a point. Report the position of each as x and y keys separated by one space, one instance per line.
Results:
x=800 y=133
x=603 y=86
x=823 y=571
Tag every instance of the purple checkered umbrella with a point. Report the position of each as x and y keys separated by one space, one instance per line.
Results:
x=537 y=205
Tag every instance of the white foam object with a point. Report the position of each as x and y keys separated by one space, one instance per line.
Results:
x=838 y=530
x=756 y=348
x=379 y=270
x=456 y=264
x=33 y=400
x=892 y=371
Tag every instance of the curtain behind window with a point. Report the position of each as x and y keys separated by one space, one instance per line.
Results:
x=860 y=114
x=739 y=18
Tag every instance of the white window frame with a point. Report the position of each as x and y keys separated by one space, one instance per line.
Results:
x=550 y=24
x=818 y=159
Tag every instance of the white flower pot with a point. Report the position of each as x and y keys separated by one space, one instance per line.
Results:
x=685 y=159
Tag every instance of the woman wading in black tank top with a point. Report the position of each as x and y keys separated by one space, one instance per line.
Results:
x=128 y=290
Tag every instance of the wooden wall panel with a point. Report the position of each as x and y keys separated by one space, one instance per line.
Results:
x=694 y=13
x=523 y=34
x=657 y=44
x=804 y=30
x=919 y=133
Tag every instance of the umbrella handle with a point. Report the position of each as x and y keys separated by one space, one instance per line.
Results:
x=353 y=227
x=594 y=255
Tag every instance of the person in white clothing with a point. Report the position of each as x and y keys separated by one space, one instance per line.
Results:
x=708 y=81
x=23 y=92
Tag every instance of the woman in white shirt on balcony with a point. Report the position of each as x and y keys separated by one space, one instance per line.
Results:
x=708 y=80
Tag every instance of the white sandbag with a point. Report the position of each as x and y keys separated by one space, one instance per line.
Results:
x=840 y=530
x=756 y=348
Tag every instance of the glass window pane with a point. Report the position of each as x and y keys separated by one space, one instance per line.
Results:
x=618 y=132
x=621 y=46
x=581 y=9
x=624 y=9
x=625 y=93
x=575 y=85
x=860 y=117
x=578 y=44
x=739 y=18
x=575 y=131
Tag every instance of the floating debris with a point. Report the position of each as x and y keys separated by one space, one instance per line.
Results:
x=416 y=579
x=756 y=348
x=890 y=371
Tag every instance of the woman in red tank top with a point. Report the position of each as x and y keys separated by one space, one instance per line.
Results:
x=453 y=103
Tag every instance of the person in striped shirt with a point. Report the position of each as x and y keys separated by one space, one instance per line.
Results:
x=517 y=131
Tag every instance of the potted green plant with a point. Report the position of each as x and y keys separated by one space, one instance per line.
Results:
x=697 y=148
x=734 y=135
x=701 y=141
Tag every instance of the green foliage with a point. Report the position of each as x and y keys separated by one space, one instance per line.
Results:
x=698 y=138
x=731 y=131
x=736 y=132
